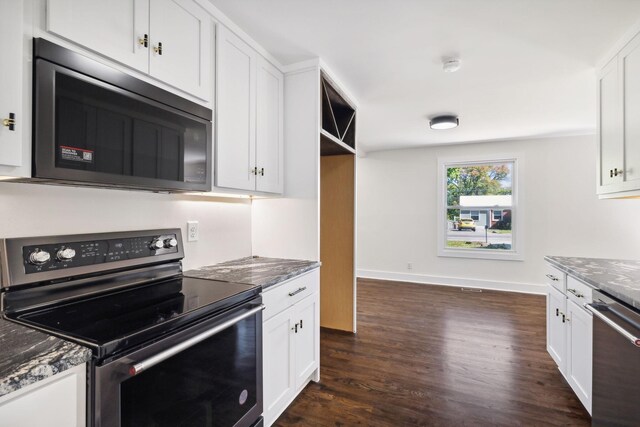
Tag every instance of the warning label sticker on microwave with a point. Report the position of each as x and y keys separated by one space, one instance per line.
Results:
x=76 y=154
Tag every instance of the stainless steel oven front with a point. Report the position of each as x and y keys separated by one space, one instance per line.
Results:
x=209 y=374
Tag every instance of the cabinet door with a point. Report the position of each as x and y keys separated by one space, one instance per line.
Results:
x=236 y=110
x=111 y=28
x=278 y=363
x=269 y=138
x=556 y=330
x=181 y=46
x=629 y=72
x=610 y=126
x=579 y=352
x=307 y=339
x=58 y=401
x=11 y=63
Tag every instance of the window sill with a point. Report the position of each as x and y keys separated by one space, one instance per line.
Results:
x=481 y=254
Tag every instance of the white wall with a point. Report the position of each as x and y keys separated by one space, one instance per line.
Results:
x=38 y=210
x=397 y=199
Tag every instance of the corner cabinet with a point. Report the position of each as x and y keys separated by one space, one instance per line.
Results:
x=618 y=129
x=569 y=331
x=58 y=401
x=249 y=140
x=170 y=40
x=291 y=342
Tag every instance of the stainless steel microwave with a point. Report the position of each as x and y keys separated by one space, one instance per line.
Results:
x=97 y=126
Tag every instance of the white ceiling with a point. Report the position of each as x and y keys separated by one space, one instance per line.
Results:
x=527 y=65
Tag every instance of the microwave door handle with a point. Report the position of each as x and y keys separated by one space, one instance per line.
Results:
x=166 y=354
x=633 y=339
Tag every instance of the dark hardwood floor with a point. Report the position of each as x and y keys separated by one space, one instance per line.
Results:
x=435 y=355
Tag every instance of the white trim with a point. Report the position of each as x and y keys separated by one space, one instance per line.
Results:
x=619 y=45
x=301 y=66
x=517 y=248
x=525 y=288
x=340 y=87
x=223 y=19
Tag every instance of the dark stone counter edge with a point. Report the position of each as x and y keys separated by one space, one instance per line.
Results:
x=615 y=292
x=572 y=272
x=34 y=370
x=299 y=272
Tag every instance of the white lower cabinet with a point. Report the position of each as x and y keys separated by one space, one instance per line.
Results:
x=569 y=336
x=291 y=342
x=56 y=401
x=556 y=330
x=579 y=352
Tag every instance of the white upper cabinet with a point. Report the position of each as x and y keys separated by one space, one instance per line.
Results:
x=114 y=28
x=618 y=127
x=249 y=143
x=236 y=110
x=610 y=134
x=629 y=71
x=269 y=129
x=167 y=39
x=181 y=46
x=11 y=63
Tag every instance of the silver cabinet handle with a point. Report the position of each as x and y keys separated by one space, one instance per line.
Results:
x=297 y=291
x=164 y=355
x=552 y=277
x=634 y=340
x=576 y=293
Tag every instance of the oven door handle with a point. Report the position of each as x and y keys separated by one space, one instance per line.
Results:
x=166 y=354
x=632 y=338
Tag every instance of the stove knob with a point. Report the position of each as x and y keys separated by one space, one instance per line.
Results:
x=157 y=244
x=39 y=257
x=65 y=254
x=170 y=243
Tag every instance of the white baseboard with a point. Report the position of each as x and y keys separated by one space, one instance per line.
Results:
x=526 y=288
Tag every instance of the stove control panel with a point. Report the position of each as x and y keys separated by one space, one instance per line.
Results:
x=47 y=257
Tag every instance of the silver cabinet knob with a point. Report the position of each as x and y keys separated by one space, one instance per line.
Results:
x=39 y=257
x=157 y=244
x=65 y=254
x=170 y=243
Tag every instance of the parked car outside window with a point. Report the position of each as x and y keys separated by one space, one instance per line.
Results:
x=466 y=224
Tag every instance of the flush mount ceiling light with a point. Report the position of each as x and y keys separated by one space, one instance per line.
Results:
x=443 y=122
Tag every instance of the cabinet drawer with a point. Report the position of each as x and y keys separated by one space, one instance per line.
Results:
x=556 y=278
x=285 y=295
x=578 y=292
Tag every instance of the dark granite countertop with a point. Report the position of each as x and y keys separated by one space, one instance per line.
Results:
x=619 y=278
x=28 y=356
x=258 y=271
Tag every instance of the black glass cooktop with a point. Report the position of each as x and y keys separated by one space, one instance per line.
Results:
x=117 y=321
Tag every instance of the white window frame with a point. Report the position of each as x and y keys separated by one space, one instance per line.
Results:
x=516 y=253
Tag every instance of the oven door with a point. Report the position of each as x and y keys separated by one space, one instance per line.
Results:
x=207 y=375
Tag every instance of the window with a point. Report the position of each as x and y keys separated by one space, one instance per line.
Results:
x=478 y=209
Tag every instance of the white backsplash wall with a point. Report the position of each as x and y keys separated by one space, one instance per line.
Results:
x=397 y=211
x=38 y=210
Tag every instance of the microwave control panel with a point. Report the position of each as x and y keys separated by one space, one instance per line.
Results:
x=47 y=257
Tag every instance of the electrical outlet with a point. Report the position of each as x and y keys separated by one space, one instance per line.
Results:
x=409 y=266
x=192 y=231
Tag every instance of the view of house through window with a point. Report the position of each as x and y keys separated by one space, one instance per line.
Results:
x=479 y=206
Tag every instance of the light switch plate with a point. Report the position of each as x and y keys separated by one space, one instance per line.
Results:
x=192 y=231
